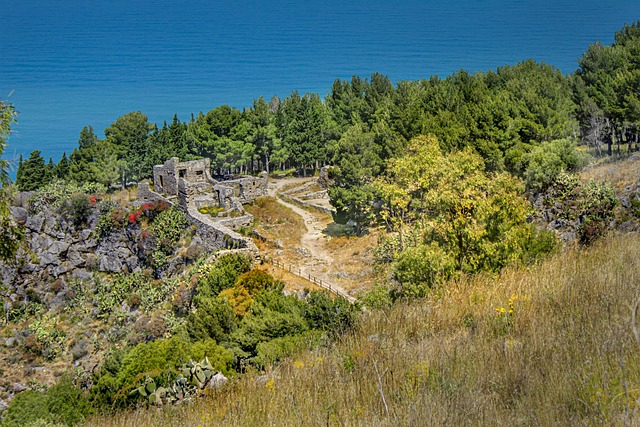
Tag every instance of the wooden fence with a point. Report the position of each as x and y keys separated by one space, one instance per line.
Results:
x=307 y=276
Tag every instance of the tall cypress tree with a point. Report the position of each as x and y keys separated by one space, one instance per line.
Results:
x=33 y=174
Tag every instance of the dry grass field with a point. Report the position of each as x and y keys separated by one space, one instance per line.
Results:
x=548 y=345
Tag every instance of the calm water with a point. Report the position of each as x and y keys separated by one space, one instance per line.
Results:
x=71 y=63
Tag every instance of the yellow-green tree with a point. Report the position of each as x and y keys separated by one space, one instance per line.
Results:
x=469 y=219
x=10 y=233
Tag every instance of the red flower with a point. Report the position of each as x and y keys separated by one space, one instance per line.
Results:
x=133 y=217
x=147 y=206
x=144 y=234
x=92 y=199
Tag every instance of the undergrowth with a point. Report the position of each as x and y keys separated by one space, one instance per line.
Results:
x=548 y=345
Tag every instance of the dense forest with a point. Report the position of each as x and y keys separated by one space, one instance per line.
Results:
x=448 y=168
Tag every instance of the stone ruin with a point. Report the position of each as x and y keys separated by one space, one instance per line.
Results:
x=191 y=186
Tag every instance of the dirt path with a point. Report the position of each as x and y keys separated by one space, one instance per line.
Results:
x=320 y=262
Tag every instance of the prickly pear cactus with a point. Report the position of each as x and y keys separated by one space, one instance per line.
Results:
x=193 y=378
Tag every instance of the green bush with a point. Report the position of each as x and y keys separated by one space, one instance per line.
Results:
x=548 y=160
x=332 y=315
x=537 y=245
x=67 y=404
x=421 y=267
x=272 y=315
x=277 y=349
x=159 y=360
x=76 y=209
x=222 y=274
x=213 y=318
x=167 y=227
x=27 y=407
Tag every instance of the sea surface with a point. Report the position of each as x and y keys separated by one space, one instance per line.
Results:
x=65 y=64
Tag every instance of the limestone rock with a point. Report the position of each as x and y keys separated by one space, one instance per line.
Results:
x=20 y=215
x=35 y=222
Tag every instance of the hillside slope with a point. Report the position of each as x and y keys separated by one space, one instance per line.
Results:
x=551 y=345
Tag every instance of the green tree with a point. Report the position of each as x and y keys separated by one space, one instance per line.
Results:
x=128 y=137
x=10 y=233
x=477 y=218
x=34 y=173
x=357 y=160
x=61 y=171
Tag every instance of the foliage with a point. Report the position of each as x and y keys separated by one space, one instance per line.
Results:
x=56 y=193
x=256 y=281
x=222 y=274
x=335 y=316
x=62 y=404
x=167 y=227
x=33 y=173
x=214 y=318
x=596 y=206
x=467 y=220
x=193 y=378
x=119 y=288
x=77 y=209
x=272 y=315
x=46 y=338
x=276 y=350
x=538 y=244
x=421 y=267
x=239 y=299
x=159 y=360
x=546 y=161
x=27 y=407
x=67 y=404
x=10 y=233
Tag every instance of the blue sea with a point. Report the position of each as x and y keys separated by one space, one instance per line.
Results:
x=65 y=64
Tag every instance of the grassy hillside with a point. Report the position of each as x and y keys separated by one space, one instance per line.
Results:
x=553 y=344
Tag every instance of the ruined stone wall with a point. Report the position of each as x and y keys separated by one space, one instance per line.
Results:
x=215 y=236
x=247 y=189
x=166 y=177
x=146 y=195
x=197 y=194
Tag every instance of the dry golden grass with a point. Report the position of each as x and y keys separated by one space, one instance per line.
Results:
x=566 y=355
x=620 y=173
x=125 y=197
x=354 y=256
x=276 y=222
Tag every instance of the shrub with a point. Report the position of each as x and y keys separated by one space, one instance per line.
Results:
x=277 y=349
x=548 y=160
x=27 y=407
x=421 y=267
x=272 y=315
x=332 y=315
x=214 y=318
x=77 y=209
x=167 y=227
x=104 y=227
x=538 y=244
x=67 y=404
x=223 y=274
x=159 y=360
x=239 y=298
x=593 y=204
x=256 y=281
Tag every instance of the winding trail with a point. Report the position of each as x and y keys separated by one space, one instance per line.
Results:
x=313 y=240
